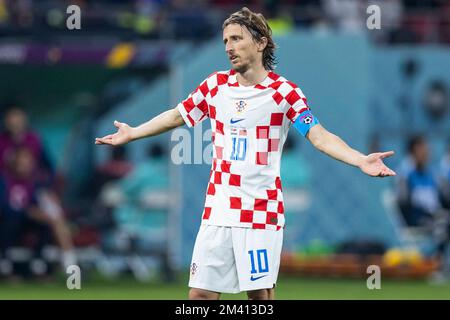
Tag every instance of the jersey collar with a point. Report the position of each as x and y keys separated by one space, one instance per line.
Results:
x=271 y=77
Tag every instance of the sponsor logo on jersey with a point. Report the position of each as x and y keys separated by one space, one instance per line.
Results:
x=233 y=121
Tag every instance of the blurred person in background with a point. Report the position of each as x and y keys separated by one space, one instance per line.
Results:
x=19 y=206
x=251 y=108
x=115 y=168
x=101 y=188
x=418 y=195
x=346 y=15
x=444 y=177
x=138 y=200
x=146 y=192
x=22 y=14
x=17 y=133
x=152 y=173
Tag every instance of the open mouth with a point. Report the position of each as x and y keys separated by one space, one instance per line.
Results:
x=233 y=58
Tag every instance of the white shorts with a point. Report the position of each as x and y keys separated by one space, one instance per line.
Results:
x=232 y=259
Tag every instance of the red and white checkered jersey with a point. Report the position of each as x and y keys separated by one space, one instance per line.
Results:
x=249 y=127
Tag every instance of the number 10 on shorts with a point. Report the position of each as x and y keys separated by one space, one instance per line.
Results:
x=261 y=257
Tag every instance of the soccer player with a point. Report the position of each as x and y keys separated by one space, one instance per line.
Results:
x=251 y=108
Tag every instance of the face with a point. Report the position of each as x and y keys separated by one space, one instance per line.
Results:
x=243 y=52
x=16 y=121
x=420 y=153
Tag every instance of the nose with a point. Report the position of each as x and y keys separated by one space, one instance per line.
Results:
x=228 y=48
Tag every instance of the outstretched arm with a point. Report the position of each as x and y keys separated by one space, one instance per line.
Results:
x=335 y=147
x=165 y=121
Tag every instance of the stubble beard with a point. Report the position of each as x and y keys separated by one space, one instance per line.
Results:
x=240 y=68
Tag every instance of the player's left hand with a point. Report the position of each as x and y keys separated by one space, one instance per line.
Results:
x=373 y=165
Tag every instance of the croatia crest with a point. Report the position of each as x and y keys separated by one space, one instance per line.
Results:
x=193 y=268
x=240 y=106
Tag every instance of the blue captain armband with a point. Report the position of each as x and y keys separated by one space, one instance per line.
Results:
x=305 y=121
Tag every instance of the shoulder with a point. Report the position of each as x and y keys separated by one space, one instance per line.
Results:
x=280 y=83
x=213 y=81
x=222 y=72
x=221 y=77
x=286 y=90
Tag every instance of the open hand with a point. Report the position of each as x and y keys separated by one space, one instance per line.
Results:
x=373 y=165
x=122 y=136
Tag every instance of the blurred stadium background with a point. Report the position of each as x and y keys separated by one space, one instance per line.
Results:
x=133 y=213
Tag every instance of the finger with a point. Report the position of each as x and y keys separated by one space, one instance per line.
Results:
x=389 y=171
x=109 y=136
x=104 y=141
x=117 y=124
x=382 y=174
x=386 y=154
x=98 y=141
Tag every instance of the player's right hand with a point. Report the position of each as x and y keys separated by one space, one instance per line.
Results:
x=122 y=136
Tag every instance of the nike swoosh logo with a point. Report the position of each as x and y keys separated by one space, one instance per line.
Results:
x=252 y=278
x=235 y=121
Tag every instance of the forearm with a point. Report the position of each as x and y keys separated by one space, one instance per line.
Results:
x=336 y=148
x=165 y=121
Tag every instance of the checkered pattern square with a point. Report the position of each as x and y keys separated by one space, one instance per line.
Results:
x=206 y=213
x=235 y=203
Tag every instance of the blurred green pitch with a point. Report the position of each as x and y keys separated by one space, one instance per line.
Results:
x=290 y=288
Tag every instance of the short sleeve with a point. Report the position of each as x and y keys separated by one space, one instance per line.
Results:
x=194 y=109
x=297 y=110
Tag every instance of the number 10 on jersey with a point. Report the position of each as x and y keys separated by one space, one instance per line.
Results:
x=239 y=148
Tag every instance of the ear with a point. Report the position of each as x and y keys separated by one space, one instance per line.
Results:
x=262 y=44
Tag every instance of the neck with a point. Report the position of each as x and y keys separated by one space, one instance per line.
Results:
x=252 y=76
